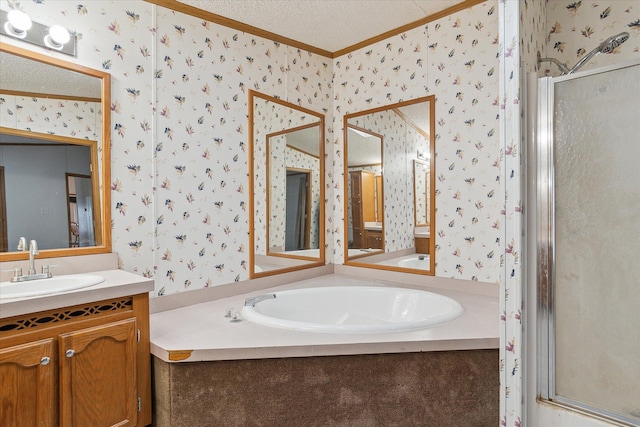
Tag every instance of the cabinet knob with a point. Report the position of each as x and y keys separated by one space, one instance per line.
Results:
x=69 y=353
x=45 y=361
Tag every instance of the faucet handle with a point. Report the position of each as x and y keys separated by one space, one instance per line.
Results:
x=17 y=272
x=46 y=269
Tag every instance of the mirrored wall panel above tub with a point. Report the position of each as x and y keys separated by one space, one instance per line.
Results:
x=54 y=156
x=287 y=186
x=389 y=182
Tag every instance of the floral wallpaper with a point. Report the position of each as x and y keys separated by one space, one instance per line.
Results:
x=575 y=28
x=179 y=130
x=456 y=59
x=78 y=119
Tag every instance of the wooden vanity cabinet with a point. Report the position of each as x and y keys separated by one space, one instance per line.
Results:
x=373 y=239
x=422 y=245
x=86 y=365
x=27 y=389
x=362 y=204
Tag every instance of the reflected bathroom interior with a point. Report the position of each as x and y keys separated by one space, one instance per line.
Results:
x=390 y=202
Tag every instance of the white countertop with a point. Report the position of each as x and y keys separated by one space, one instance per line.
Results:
x=204 y=332
x=117 y=283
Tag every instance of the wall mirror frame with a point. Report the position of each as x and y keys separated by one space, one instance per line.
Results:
x=24 y=62
x=286 y=186
x=386 y=150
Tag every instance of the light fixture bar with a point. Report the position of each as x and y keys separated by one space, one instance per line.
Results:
x=39 y=35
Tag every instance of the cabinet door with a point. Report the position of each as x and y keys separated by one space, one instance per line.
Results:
x=373 y=239
x=27 y=393
x=98 y=376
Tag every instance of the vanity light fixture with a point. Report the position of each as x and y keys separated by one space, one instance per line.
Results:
x=17 y=24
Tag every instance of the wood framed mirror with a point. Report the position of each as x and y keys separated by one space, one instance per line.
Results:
x=388 y=217
x=54 y=155
x=286 y=181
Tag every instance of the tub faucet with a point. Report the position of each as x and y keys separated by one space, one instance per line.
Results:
x=252 y=301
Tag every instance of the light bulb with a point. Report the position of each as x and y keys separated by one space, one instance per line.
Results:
x=18 y=23
x=57 y=37
x=59 y=34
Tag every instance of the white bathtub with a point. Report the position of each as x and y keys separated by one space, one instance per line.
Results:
x=352 y=309
x=413 y=261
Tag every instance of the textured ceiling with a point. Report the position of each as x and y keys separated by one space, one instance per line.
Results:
x=26 y=75
x=330 y=25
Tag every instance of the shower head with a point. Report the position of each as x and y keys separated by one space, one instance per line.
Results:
x=606 y=46
x=613 y=42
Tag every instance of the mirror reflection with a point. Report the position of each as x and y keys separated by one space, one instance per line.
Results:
x=294 y=190
x=389 y=186
x=365 y=210
x=286 y=155
x=59 y=207
x=421 y=186
x=54 y=155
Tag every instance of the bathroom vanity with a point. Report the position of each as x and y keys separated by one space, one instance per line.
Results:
x=78 y=358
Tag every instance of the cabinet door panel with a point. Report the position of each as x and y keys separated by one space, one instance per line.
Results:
x=98 y=376
x=27 y=392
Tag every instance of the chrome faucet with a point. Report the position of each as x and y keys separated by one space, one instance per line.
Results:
x=33 y=251
x=252 y=301
x=31 y=274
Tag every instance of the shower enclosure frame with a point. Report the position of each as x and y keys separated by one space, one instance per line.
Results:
x=546 y=245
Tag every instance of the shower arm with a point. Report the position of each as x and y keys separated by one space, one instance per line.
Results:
x=563 y=67
x=583 y=61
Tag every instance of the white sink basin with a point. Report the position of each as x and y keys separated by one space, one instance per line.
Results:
x=52 y=285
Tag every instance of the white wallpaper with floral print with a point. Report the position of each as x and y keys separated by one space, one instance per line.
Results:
x=575 y=28
x=77 y=119
x=456 y=59
x=179 y=130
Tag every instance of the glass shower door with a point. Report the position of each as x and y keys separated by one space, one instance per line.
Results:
x=589 y=241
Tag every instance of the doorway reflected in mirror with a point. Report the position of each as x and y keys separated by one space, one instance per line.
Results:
x=287 y=186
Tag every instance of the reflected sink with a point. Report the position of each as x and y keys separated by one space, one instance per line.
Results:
x=48 y=286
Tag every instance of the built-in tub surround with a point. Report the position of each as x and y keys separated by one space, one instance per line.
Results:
x=270 y=375
x=440 y=388
x=202 y=332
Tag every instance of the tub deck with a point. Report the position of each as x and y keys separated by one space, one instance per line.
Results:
x=201 y=332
